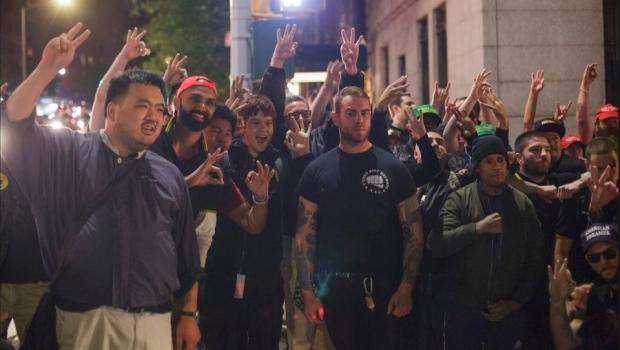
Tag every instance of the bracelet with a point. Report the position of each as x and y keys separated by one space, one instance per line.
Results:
x=260 y=200
x=193 y=314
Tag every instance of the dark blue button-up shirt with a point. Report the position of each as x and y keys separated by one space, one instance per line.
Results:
x=137 y=249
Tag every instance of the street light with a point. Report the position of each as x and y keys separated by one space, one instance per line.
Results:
x=62 y=3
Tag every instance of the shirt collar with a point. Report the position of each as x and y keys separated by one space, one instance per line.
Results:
x=106 y=141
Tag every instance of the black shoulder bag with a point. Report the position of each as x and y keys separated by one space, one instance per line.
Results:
x=41 y=333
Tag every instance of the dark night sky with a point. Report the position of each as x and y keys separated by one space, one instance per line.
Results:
x=107 y=19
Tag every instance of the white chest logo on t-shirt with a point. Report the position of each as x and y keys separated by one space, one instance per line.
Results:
x=375 y=181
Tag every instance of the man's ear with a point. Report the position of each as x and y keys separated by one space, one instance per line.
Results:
x=518 y=157
x=111 y=109
x=335 y=118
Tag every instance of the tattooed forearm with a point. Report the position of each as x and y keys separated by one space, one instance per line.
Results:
x=306 y=242
x=413 y=242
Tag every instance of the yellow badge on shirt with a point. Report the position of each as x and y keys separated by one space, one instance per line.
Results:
x=4 y=182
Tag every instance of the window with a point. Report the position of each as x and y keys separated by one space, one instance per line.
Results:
x=386 y=65
x=442 y=45
x=402 y=65
x=423 y=41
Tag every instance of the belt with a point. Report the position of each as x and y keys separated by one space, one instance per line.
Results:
x=73 y=306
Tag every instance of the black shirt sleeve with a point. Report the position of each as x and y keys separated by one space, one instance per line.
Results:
x=307 y=187
x=429 y=168
x=273 y=86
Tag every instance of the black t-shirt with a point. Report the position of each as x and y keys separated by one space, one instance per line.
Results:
x=574 y=218
x=20 y=259
x=358 y=226
x=600 y=327
x=548 y=214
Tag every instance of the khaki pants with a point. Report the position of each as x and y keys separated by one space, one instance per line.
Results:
x=205 y=229
x=20 y=301
x=109 y=328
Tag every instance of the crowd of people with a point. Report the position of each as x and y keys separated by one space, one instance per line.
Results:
x=183 y=220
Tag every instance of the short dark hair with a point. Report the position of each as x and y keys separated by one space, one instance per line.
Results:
x=255 y=104
x=524 y=138
x=223 y=112
x=348 y=91
x=602 y=145
x=294 y=98
x=120 y=85
x=399 y=99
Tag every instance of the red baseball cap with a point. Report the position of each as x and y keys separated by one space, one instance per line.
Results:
x=607 y=111
x=196 y=80
x=568 y=140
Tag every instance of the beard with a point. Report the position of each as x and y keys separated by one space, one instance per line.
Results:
x=352 y=137
x=185 y=117
x=537 y=169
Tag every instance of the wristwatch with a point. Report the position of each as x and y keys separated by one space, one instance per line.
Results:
x=193 y=314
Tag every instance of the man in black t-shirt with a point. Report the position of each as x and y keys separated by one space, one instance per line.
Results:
x=359 y=235
x=595 y=326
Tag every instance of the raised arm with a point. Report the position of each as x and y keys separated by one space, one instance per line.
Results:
x=252 y=218
x=57 y=54
x=480 y=81
x=134 y=47
x=273 y=84
x=584 y=127
x=561 y=285
x=440 y=95
x=536 y=86
x=326 y=92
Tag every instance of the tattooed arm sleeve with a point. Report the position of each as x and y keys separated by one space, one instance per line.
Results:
x=305 y=239
x=413 y=241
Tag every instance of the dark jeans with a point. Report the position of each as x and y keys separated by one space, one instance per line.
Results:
x=254 y=322
x=464 y=328
x=351 y=325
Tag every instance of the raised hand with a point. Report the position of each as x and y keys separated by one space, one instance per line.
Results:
x=480 y=81
x=561 y=283
x=174 y=70
x=297 y=138
x=538 y=81
x=258 y=180
x=440 y=95
x=603 y=190
x=561 y=111
x=332 y=80
x=60 y=51
x=397 y=88
x=491 y=224
x=350 y=50
x=466 y=126
x=416 y=127
x=207 y=173
x=589 y=75
x=497 y=106
x=285 y=46
x=134 y=46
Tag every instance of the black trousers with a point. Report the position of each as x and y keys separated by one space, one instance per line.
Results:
x=254 y=322
x=351 y=325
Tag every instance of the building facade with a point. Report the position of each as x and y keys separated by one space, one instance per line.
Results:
x=452 y=40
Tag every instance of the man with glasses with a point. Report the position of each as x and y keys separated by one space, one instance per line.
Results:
x=594 y=325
